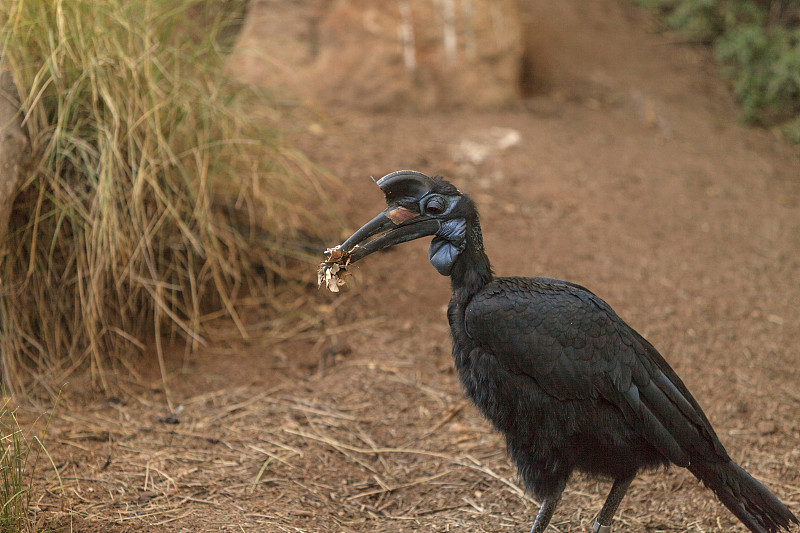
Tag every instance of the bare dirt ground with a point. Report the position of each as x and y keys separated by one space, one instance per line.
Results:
x=631 y=176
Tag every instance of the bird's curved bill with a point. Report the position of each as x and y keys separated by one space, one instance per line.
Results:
x=393 y=226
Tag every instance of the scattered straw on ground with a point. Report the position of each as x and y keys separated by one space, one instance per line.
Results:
x=360 y=445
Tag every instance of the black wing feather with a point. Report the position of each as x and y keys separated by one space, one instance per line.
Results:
x=575 y=347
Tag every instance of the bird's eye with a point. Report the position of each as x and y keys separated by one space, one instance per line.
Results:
x=435 y=206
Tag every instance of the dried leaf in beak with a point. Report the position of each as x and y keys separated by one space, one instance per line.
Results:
x=332 y=270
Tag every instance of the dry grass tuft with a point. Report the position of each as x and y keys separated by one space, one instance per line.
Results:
x=19 y=458
x=155 y=198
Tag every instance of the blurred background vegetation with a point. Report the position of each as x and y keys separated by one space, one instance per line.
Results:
x=156 y=198
x=757 y=43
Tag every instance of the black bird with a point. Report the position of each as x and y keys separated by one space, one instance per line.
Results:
x=569 y=384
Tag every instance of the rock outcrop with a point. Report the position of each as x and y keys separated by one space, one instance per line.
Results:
x=406 y=54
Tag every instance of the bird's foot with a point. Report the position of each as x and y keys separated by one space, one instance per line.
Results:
x=600 y=528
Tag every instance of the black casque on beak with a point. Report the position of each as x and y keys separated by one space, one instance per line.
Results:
x=404 y=220
x=405 y=184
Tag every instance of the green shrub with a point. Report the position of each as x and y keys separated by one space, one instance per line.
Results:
x=699 y=19
x=757 y=44
x=765 y=69
x=158 y=190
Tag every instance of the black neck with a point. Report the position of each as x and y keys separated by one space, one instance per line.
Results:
x=471 y=271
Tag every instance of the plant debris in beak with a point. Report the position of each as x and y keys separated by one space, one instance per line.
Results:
x=334 y=268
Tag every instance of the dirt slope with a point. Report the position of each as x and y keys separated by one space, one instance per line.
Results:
x=631 y=176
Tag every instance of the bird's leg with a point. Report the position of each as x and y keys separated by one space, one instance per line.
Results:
x=546 y=511
x=618 y=490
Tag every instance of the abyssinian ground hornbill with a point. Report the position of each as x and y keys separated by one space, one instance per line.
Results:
x=568 y=382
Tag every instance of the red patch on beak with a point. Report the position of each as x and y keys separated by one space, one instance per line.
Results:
x=399 y=215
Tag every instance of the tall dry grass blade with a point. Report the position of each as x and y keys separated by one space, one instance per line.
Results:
x=156 y=195
x=18 y=463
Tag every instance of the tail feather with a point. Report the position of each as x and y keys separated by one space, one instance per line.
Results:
x=749 y=500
